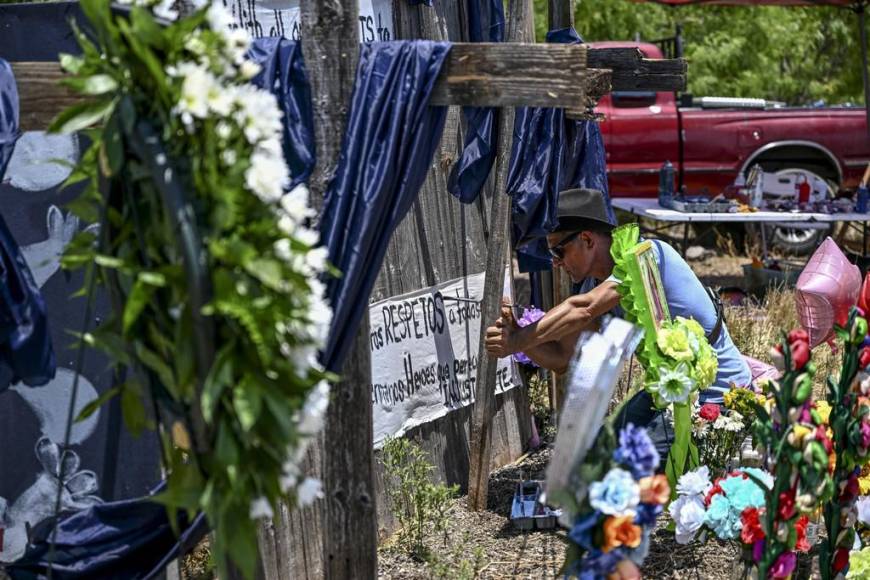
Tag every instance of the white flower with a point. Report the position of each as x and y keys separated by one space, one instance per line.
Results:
x=228 y=156
x=674 y=385
x=260 y=509
x=732 y=422
x=320 y=316
x=267 y=176
x=316 y=259
x=223 y=130
x=164 y=9
x=696 y=482
x=282 y=249
x=218 y=17
x=309 y=491
x=258 y=114
x=195 y=44
x=249 y=69
x=307 y=236
x=688 y=514
x=863 y=507
x=310 y=418
x=295 y=203
x=220 y=100
x=286 y=224
x=290 y=476
x=194 y=89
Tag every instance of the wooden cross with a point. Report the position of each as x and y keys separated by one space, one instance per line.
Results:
x=508 y=74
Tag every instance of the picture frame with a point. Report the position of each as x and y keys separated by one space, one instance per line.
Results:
x=647 y=268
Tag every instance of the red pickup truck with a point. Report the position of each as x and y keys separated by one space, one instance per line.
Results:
x=711 y=141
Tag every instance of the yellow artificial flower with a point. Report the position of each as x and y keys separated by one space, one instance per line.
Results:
x=824 y=410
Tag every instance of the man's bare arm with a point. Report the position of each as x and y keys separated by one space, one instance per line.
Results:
x=568 y=318
x=554 y=355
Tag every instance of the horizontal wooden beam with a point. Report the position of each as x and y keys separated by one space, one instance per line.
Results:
x=598 y=82
x=633 y=72
x=40 y=95
x=512 y=74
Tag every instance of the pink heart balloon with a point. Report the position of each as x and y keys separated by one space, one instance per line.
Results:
x=826 y=289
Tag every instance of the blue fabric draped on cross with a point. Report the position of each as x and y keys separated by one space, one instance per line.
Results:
x=391 y=136
x=469 y=173
x=122 y=540
x=550 y=153
x=283 y=73
x=26 y=353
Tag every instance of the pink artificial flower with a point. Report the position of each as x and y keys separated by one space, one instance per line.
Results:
x=784 y=565
x=865 y=434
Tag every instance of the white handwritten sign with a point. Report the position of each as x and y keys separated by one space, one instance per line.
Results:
x=425 y=355
x=281 y=18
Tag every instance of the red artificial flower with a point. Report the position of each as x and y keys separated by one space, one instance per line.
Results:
x=864 y=359
x=715 y=490
x=841 y=559
x=709 y=411
x=752 y=530
x=786 y=505
x=822 y=437
x=802 y=545
x=864 y=295
x=800 y=355
x=849 y=489
x=798 y=335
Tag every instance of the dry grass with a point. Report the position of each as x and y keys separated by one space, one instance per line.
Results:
x=758 y=325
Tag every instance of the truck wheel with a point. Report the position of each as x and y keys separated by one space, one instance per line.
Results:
x=795 y=241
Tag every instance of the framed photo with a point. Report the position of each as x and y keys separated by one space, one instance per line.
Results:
x=657 y=304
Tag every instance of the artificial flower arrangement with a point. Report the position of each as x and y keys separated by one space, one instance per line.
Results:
x=530 y=316
x=678 y=360
x=719 y=434
x=168 y=105
x=615 y=509
x=768 y=512
x=849 y=411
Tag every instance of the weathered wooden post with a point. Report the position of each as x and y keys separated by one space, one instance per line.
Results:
x=330 y=42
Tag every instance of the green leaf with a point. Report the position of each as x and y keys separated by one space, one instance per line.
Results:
x=133 y=411
x=248 y=404
x=91 y=407
x=269 y=272
x=146 y=29
x=112 y=148
x=226 y=449
x=81 y=116
x=219 y=377
x=69 y=63
x=98 y=84
x=137 y=300
x=156 y=364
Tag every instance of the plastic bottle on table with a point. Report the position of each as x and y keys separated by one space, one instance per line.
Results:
x=666 y=185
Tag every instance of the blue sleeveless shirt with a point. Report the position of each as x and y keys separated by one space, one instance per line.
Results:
x=687 y=297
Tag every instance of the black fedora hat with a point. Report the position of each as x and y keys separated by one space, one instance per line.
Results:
x=582 y=209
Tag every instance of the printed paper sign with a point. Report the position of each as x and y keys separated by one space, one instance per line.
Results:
x=424 y=349
x=281 y=18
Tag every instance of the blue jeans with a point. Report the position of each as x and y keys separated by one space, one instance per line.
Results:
x=642 y=413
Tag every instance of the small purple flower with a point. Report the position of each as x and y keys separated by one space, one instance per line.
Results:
x=636 y=451
x=758 y=550
x=530 y=316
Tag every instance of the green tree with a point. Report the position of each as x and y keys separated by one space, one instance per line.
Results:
x=794 y=54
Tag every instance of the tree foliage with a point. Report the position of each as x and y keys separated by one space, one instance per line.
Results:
x=799 y=55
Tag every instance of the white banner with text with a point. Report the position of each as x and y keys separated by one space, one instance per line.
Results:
x=425 y=355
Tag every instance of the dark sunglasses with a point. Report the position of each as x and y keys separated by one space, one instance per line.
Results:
x=558 y=251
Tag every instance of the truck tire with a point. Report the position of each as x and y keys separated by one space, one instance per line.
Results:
x=794 y=241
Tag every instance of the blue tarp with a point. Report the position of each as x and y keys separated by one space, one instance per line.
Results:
x=122 y=540
x=26 y=353
x=391 y=136
x=469 y=173
x=283 y=74
x=550 y=153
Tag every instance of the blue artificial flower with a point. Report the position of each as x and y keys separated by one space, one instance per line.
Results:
x=647 y=514
x=742 y=493
x=616 y=495
x=596 y=565
x=722 y=518
x=581 y=533
x=636 y=451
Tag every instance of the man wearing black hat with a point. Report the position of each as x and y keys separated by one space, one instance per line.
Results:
x=580 y=244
